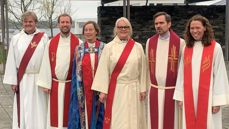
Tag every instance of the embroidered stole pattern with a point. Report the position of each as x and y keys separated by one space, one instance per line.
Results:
x=112 y=85
x=198 y=121
x=174 y=46
x=54 y=90
x=79 y=75
x=23 y=64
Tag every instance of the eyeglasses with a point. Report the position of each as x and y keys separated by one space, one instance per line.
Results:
x=123 y=27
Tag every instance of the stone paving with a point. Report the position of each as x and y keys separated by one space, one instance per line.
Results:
x=6 y=108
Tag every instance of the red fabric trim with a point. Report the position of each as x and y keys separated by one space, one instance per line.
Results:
x=117 y=69
x=67 y=95
x=23 y=65
x=198 y=121
x=171 y=78
x=54 y=104
x=88 y=79
x=54 y=90
x=174 y=47
x=74 y=44
x=153 y=91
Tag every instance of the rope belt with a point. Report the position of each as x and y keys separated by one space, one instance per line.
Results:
x=61 y=81
x=163 y=87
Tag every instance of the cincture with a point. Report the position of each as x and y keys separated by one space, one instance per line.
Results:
x=61 y=81
x=163 y=87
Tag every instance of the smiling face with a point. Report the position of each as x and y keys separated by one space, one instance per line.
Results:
x=90 y=33
x=123 y=30
x=161 y=25
x=197 y=30
x=29 y=24
x=65 y=24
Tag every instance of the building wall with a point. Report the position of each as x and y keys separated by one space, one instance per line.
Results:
x=141 y=18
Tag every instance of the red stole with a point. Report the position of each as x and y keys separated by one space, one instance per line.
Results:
x=172 y=68
x=54 y=90
x=200 y=120
x=88 y=76
x=23 y=64
x=117 y=69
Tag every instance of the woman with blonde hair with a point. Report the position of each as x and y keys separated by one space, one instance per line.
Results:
x=121 y=80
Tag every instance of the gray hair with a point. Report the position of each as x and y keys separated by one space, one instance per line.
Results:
x=127 y=23
x=27 y=14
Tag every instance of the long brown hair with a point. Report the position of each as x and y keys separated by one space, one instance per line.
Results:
x=208 y=34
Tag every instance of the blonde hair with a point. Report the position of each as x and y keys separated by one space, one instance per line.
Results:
x=27 y=14
x=127 y=23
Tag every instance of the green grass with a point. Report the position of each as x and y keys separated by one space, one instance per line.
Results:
x=2 y=55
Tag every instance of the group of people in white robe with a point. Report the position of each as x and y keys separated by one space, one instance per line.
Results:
x=64 y=83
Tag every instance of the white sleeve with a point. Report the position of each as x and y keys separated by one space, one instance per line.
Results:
x=102 y=76
x=220 y=79
x=179 y=89
x=45 y=76
x=10 y=76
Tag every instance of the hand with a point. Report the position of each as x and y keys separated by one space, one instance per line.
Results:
x=102 y=97
x=46 y=90
x=14 y=88
x=180 y=104
x=215 y=109
x=142 y=96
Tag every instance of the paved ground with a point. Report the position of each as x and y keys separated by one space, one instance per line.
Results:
x=6 y=101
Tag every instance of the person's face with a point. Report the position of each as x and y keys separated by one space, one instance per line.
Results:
x=161 y=25
x=90 y=33
x=123 y=30
x=197 y=30
x=29 y=24
x=65 y=25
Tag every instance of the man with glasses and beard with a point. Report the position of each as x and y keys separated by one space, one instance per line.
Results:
x=55 y=73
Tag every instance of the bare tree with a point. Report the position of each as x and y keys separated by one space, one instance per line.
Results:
x=17 y=7
x=47 y=10
x=51 y=8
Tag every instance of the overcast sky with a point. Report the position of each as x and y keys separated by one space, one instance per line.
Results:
x=88 y=8
x=81 y=9
x=84 y=8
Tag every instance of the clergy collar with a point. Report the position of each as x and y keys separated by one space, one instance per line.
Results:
x=124 y=41
x=198 y=42
x=91 y=44
x=165 y=36
x=64 y=35
x=116 y=39
x=29 y=33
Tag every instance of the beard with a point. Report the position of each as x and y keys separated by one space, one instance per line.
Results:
x=65 y=31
